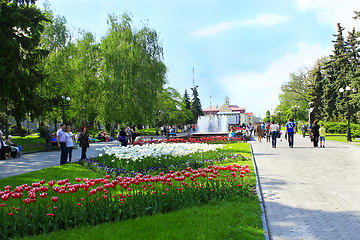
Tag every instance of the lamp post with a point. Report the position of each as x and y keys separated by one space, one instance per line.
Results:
x=65 y=103
x=295 y=108
x=341 y=90
x=28 y=122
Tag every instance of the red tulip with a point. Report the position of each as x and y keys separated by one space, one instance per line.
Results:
x=54 y=199
x=10 y=214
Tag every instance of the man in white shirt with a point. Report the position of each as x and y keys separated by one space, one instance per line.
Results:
x=61 y=139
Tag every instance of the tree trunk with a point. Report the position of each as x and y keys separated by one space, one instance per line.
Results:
x=19 y=128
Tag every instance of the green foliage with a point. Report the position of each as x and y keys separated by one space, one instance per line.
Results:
x=321 y=83
x=14 y=130
x=195 y=107
x=118 y=203
x=171 y=108
x=20 y=75
x=133 y=73
x=341 y=128
x=240 y=219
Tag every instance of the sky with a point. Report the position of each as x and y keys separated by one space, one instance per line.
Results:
x=244 y=50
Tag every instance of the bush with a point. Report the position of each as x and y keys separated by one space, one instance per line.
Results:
x=15 y=131
x=41 y=131
x=341 y=128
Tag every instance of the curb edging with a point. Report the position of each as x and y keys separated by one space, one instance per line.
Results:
x=259 y=192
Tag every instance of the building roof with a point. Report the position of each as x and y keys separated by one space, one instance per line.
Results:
x=234 y=108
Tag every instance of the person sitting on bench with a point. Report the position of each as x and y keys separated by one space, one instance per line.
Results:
x=16 y=150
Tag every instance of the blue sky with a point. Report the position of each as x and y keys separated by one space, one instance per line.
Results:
x=241 y=49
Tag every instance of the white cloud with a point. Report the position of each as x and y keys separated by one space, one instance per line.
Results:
x=259 y=92
x=333 y=11
x=262 y=20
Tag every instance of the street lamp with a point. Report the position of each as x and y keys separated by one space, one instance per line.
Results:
x=295 y=108
x=341 y=90
x=65 y=104
x=29 y=123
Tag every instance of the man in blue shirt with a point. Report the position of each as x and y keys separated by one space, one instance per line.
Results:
x=290 y=130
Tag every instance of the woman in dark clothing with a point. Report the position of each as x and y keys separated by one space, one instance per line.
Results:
x=84 y=142
x=134 y=133
x=315 y=133
x=122 y=137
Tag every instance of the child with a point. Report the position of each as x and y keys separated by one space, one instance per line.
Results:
x=322 y=132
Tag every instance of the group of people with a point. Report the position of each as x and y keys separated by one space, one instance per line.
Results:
x=128 y=135
x=269 y=130
x=244 y=132
x=272 y=130
x=316 y=133
x=8 y=149
x=66 y=142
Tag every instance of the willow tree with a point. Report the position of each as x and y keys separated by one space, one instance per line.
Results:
x=20 y=55
x=132 y=72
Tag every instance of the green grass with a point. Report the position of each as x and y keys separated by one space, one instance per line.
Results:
x=233 y=218
x=339 y=138
x=70 y=171
x=148 y=131
x=30 y=143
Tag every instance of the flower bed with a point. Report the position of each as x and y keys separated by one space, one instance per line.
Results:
x=211 y=140
x=152 y=157
x=49 y=206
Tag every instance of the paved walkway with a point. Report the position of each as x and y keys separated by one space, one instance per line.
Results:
x=40 y=160
x=310 y=193
x=36 y=161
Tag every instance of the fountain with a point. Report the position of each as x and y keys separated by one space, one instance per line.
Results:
x=212 y=124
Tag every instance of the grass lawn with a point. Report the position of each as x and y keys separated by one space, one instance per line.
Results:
x=148 y=131
x=339 y=138
x=233 y=218
x=30 y=143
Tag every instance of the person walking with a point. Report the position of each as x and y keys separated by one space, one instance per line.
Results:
x=134 y=134
x=309 y=128
x=315 y=133
x=274 y=131
x=303 y=129
x=267 y=130
x=61 y=140
x=69 y=142
x=128 y=134
x=84 y=142
x=48 y=137
x=290 y=129
x=322 y=132
x=259 y=131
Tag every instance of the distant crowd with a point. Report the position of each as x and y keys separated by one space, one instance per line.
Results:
x=272 y=131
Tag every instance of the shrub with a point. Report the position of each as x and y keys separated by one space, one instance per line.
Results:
x=341 y=128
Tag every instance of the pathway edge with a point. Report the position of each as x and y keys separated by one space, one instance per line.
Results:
x=259 y=192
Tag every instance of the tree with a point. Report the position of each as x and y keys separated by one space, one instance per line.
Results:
x=187 y=105
x=20 y=74
x=195 y=107
x=267 y=118
x=132 y=72
x=171 y=108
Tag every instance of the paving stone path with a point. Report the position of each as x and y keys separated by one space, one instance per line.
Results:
x=39 y=160
x=310 y=193
x=35 y=161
